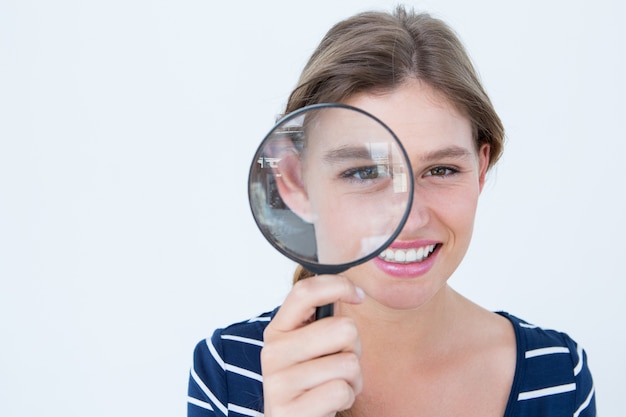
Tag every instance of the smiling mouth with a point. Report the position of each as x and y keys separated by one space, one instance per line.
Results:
x=405 y=256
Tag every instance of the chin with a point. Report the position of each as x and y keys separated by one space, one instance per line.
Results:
x=405 y=297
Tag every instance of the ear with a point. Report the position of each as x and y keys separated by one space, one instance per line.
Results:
x=288 y=174
x=483 y=164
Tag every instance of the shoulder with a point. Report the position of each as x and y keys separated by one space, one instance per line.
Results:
x=234 y=344
x=244 y=333
x=226 y=371
x=552 y=376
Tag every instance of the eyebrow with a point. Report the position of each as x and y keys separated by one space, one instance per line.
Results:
x=451 y=152
x=347 y=153
x=361 y=152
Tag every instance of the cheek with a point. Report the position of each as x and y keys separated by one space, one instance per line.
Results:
x=458 y=212
x=348 y=228
x=336 y=235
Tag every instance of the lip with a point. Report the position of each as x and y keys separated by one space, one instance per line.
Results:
x=412 y=244
x=408 y=270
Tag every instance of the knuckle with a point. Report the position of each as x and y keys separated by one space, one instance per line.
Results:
x=350 y=362
x=341 y=395
x=269 y=356
x=305 y=284
x=346 y=328
x=348 y=286
x=267 y=352
x=268 y=333
x=301 y=289
x=271 y=385
x=352 y=371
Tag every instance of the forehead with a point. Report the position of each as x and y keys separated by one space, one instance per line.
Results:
x=421 y=117
x=340 y=131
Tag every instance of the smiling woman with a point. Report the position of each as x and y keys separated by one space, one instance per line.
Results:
x=402 y=342
x=438 y=139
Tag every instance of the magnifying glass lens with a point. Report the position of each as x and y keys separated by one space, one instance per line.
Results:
x=330 y=187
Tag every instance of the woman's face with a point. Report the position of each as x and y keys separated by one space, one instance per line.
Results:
x=449 y=173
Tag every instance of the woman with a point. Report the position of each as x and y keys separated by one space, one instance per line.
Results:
x=402 y=342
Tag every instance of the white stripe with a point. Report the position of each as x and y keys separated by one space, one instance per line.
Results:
x=244 y=411
x=527 y=326
x=208 y=393
x=199 y=403
x=579 y=365
x=244 y=372
x=243 y=340
x=546 y=351
x=586 y=403
x=559 y=389
x=259 y=319
x=214 y=353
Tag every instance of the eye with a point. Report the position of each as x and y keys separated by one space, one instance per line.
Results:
x=364 y=173
x=441 y=171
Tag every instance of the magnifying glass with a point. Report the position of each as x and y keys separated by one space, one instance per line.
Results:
x=330 y=187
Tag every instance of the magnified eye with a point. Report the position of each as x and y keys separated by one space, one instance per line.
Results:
x=365 y=173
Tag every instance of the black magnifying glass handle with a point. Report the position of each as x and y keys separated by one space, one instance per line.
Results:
x=324 y=311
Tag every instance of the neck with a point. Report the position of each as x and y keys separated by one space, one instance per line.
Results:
x=426 y=330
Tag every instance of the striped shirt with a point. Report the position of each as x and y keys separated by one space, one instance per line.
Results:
x=551 y=379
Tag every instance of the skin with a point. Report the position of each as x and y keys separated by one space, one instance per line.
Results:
x=400 y=345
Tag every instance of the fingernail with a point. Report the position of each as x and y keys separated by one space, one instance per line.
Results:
x=360 y=293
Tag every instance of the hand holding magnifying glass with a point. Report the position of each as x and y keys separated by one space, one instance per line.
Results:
x=330 y=187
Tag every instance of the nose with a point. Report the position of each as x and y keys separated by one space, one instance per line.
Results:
x=419 y=215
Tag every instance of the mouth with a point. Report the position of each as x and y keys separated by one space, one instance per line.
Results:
x=406 y=256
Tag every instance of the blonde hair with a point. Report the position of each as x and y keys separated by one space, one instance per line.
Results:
x=376 y=52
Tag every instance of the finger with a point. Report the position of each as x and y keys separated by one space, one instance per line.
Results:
x=307 y=294
x=323 y=400
x=320 y=338
x=293 y=382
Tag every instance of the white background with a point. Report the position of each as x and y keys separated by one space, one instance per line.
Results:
x=126 y=132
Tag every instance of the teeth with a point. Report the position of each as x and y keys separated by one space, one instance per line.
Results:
x=403 y=256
